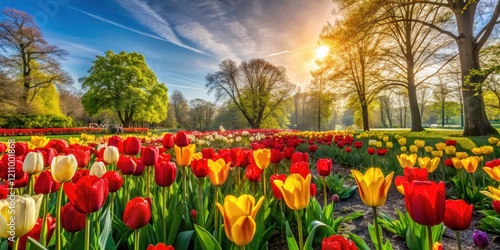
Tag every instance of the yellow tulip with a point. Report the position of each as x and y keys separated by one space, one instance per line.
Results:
x=74 y=140
x=461 y=155
x=378 y=144
x=372 y=143
x=197 y=156
x=493 y=172
x=407 y=161
x=18 y=215
x=111 y=155
x=389 y=144
x=441 y=146
x=419 y=143
x=295 y=190
x=430 y=165
x=385 y=138
x=486 y=150
x=476 y=151
x=402 y=141
x=470 y=163
x=457 y=163
x=450 y=150
x=437 y=153
x=184 y=155
x=403 y=148
x=493 y=193
x=39 y=141
x=414 y=149
x=33 y=163
x=428 y=149
x=498 y=144
x=239 y=217
x=493 y=140
x=63 y=167
x=262 y=157
x=98 y=169
x=373 y=186
x=218 y=171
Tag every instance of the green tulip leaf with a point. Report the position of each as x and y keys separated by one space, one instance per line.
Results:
x=290 y=240
x=359 y=242
x=206 y=240
x=106 y=237
x=183 y=240
x=312 y=228
x=32 y=241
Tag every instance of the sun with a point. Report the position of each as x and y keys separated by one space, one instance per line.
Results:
x=322 y=51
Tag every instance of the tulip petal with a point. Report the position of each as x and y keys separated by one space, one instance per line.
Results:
x=243 y=230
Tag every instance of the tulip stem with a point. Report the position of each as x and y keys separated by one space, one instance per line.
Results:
x=324 y=192
x=216 y=213
x=58 y=217
x=165 y=210
x=87 y=231
x=43 y=232
x=111 y=203
x=185 y=196
x=299 y=226
x=136 y=239
x=200 y=208
x=16 y=244
x=377 y=231
x=242 y=247
x=147 y=180
x=31 y=184
x=264 y=181
x=459 y=242
x=429 y=237
x=474 y=188
x=281 y=219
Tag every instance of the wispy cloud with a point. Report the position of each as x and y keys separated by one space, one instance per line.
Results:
x=276 y=53
x=185 y=87
x=165 y=34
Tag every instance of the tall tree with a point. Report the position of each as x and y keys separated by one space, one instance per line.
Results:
x=256 y=87
x=201 y=113
x=181 y=108
x=126 y=85
x=27 y=52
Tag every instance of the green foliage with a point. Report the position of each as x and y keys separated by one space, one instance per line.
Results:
x=46 y=101
x=37 y=121
x=335 y=185
x=126 y=85
x=491 y=222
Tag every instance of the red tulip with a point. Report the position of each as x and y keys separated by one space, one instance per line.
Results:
x=276 y=156
x=337 y=242
x=115 y=180
x=6 y=172
x=126 y=165
x=88 y=194
x=371 y=151
x=410 y=174
x=36 y=231
x=116 y=141
x=168 y=141
x=200 y=167
x=45 y=184
x=71 y=219
x=358 y=144
x=193 y=214
x=149 y=155
x=276 y=192
x=3 y=147
x=132 y=145
x=181 y=139
x=165 y=173
x=58 y=145
x=238 y=157
x=457 y=215
x=23 y=182
x=324 y=167
x=224 y=154
x=451 y=143
x=449 y=163
x=160 y=246
x=253 y=172
x=82 y=157
x=299 y=156
x=348 y=149
x=140 y=166
x=4 y=191
x=496 y=206
x=79 y=174
x=137 y=213
x=313 y=148
x=425 y=201
x=312 y=190
x=288 y=151
x=21 y=148
x=381 y=151
x=48 y=155
x=301 y=168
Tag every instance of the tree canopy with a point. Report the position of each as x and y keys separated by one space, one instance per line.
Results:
x=257 y=87
x=124 y=84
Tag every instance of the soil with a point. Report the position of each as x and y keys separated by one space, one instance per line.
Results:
x=395 y=201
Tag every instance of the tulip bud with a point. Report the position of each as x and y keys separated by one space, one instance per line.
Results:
x=335 y=198
x=181 y=139
x=33 y=163
x=98 y=169
x=193 y=214
x=137 y=213
x=45 y=184
x=115 y=180
x=72 y=220
x=26 y=208
x=132 y=145
x=168 y=141
x=480 y=239
x=111 y=155
x=63 y=167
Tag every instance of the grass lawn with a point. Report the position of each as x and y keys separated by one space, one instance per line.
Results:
x=28 y=138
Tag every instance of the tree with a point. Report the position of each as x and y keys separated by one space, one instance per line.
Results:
x=70 y=102
x=256 y=87
x=126 y=85
x=26 y=52
x=181 y=108
x=202 y=113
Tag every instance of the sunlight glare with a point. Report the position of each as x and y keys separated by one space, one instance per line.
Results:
x=321 y=52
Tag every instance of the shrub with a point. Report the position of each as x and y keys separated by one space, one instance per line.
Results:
x=38 y=121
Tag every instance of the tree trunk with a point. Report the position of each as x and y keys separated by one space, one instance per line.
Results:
x=364 y=114
x=382 y=118
x=416 y=119
x=476 y=122
x=442 y=113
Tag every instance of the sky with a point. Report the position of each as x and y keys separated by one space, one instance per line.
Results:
x=183 y=40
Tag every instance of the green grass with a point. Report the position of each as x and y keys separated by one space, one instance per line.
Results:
x=28 y=138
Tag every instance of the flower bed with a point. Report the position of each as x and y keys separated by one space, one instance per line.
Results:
x=64 y=131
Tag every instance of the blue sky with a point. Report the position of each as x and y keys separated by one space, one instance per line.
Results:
x=183 y=40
